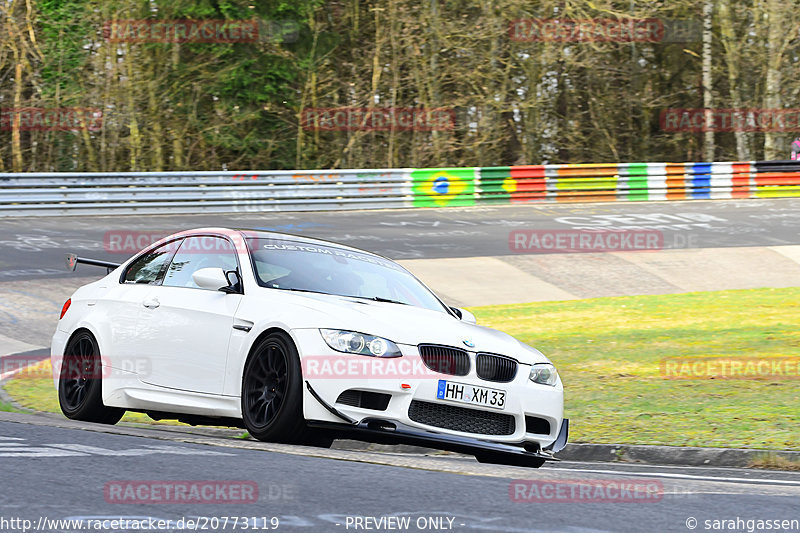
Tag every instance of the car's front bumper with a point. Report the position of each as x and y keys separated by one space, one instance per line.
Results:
x=375 y=430
x=523 y=399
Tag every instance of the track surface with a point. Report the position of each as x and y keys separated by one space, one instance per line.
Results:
x=65 y=472
x=34 y=247
x=57 y=469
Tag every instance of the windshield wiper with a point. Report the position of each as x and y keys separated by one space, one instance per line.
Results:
x=373 y=298
x=298 y=290
x=387 y=300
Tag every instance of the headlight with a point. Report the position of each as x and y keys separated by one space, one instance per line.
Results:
x=358 y=343
x=544 y=374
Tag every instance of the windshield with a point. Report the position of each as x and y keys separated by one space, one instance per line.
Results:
x=289 y=265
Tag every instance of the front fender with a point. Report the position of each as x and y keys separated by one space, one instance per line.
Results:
x=239 y=349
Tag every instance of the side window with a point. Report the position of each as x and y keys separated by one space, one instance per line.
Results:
x=196 y=253
x=149 y=267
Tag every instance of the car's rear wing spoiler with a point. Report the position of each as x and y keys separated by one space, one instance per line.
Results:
x=73 y=260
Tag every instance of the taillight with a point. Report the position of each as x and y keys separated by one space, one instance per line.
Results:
x=64 y=309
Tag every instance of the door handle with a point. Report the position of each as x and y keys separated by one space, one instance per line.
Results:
x=151 y=303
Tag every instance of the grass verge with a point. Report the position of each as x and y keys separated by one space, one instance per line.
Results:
x=6 y=407
x=34 y=389
x=609 y=352
x=772 y=462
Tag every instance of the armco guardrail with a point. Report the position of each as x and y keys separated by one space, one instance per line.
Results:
x=196 y=192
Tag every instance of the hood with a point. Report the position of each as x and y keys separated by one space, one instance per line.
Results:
x=403 y=324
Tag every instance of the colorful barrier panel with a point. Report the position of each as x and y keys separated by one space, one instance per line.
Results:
x=639 y=182
x=324 y=190
x=443 y=187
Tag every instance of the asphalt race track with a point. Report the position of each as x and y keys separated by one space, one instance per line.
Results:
x=63 y=473
x=34 y=247
x=57 y=469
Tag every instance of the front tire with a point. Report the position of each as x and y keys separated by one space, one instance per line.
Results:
x=80 y=386
x=272 y=395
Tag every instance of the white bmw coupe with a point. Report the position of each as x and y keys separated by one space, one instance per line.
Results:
x=299 y=340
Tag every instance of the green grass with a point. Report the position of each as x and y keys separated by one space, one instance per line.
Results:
x=34 y=389
x=6 y=407
x=608 y=352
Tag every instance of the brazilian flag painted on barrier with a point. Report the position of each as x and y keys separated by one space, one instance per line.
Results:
x=443 y=187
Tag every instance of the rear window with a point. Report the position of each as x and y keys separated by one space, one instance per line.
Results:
x=150 y=267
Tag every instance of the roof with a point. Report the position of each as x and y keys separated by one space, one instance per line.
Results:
x=264 y=234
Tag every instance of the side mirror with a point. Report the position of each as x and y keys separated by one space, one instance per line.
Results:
x=464 y=315
x=212 y=279
x=234 y=283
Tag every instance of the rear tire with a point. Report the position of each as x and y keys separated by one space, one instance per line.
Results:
x=272 y=393
x=80 y=385
x=509 y=460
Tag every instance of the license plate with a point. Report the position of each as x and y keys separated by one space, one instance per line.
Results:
x=471 y=394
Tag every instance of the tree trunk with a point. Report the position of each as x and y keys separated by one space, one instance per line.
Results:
x=708 y=138
x=773 y=146
x=155 y=121
x=177 y=133
x=733 y=58
x=134 y=142
x=16 y=138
